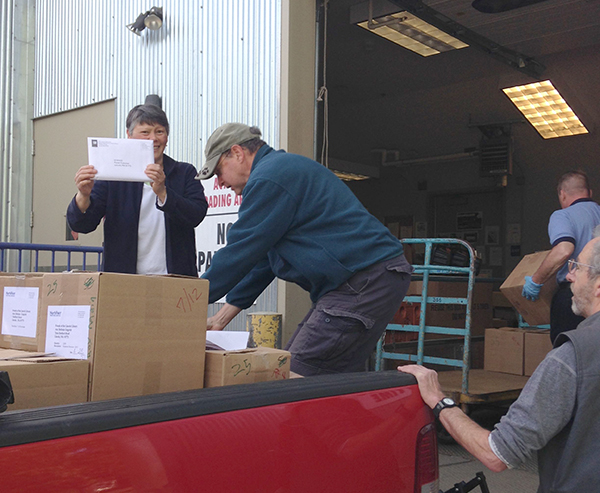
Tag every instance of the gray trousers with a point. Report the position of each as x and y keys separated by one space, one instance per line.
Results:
x=342 y=328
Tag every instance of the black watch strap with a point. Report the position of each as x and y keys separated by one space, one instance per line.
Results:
x=443 y=404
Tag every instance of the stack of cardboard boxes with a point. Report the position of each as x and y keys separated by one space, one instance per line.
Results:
x=88 y=336
x=516 y=350
x=115 y=335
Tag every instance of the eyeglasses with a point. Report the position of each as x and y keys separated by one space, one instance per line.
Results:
x=573 y=266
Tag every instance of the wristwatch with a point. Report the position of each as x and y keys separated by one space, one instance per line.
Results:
x=443 y=404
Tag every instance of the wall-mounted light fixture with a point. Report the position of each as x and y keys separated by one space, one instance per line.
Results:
x=545 y=109
x=403 y=28
x=153 y=19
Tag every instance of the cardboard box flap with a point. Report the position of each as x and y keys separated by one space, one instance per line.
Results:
x=225 y=352
x=30 y=357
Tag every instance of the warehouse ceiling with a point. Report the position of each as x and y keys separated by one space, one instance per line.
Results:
x=362 y=65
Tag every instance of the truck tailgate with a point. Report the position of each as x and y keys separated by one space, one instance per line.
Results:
x=337 y=433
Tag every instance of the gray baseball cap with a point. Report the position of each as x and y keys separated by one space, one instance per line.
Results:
x=221 y=140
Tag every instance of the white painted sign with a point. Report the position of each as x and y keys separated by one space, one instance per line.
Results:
x=211 y=234
x=67 y=331
x=20 y=311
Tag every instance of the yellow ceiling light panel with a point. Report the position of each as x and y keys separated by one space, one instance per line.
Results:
x=546 y=110
x=412 y=33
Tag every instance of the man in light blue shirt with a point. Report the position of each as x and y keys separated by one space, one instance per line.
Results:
x=569 y=230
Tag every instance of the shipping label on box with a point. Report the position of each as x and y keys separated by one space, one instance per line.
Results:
x=20 y=302
x=533 y=312
x=504 y=350
x=145 y=334
x=42 y=381
x=259 y=364
x=537 y=346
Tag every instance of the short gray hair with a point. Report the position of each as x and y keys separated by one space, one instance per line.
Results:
x=254 y=145
x=594 y=269
x=146 y=113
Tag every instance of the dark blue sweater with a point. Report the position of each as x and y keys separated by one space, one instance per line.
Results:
x=300 y=223
x=119 y=203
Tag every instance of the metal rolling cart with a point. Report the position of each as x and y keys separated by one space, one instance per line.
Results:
x=465 y=385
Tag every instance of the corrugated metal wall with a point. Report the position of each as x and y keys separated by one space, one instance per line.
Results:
x=213 y=61
x=16 y=92
x=6 y=20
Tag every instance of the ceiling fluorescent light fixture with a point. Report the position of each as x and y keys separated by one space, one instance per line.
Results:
x=545 y=109
x=412 y=33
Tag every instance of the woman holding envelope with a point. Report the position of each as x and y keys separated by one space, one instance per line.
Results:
x=148 y=227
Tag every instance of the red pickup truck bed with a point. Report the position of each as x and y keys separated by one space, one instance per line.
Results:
x=337 y=433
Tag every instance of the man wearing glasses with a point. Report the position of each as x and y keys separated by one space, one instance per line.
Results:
x=557 y=411
x=569 y=229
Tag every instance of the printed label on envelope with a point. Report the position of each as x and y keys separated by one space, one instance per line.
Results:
x=120 y=159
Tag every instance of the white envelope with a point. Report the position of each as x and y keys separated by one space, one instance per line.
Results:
x=120 y=159
x=229 y=340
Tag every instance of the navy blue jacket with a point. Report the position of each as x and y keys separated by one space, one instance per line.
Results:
x=298 y=222
x=119 y=203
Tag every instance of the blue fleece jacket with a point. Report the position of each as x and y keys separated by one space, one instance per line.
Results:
x=300 y=223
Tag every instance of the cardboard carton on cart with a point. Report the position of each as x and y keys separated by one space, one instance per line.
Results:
x=533 y=312
x=504 y=349
x=516 y=351
x=537 y=346
x=146 y=334
x=446 y=315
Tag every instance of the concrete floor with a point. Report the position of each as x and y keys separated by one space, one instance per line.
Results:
x=456 y=465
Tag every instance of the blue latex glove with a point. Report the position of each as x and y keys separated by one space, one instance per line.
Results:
x=531 y=290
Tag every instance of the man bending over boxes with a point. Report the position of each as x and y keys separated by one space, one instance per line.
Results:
x=301 y=223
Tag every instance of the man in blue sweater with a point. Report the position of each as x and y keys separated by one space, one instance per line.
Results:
x=300 y=223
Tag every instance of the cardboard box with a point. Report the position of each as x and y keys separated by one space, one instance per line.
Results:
x=21 y=314
x=146 y=334
x=537 y=346
x=444 y=315
x=504 y=349
x=533 y=312
x=259 y=364
x=40 y=381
